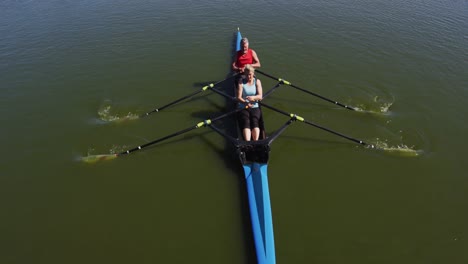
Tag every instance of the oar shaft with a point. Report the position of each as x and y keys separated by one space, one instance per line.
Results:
x=306 y=91
x=200 y=124
x=204 y=88
x=158 y=140
x=172 y=103
x=233 y=98
x=322 y=97
x=266 y=74
x=275 y=109
x=336 y=133
x=299 y=118
x=271 y=90
x=226 y=114
x=224 y=94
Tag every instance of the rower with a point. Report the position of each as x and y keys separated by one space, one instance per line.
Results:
x=245 y=56
x=249 y=91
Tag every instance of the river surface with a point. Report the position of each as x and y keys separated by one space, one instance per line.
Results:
x=73 y=74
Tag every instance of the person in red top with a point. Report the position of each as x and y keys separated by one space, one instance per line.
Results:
x=245 y=56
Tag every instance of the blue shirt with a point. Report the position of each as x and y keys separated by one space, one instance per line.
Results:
x=248 y=90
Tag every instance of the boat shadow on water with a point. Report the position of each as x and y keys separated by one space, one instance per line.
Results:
x=228 y=154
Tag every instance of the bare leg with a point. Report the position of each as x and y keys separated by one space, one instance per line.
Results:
x=247 y=134
x=255 y=133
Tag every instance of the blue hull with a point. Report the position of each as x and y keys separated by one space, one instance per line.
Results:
x=256 y=177
x=260 y=211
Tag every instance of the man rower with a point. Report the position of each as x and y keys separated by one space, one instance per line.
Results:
x=245 y=56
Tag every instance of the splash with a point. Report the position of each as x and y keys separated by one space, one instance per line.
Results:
x=379 y=110
x=115 y=150
x=403 y=150
x=380 y=106
x=106 y=115
x=385 y=108
x=399 y=150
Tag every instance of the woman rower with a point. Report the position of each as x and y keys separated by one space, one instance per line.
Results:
x=249 y=90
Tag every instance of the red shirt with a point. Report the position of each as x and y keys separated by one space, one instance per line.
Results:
x=243 y=59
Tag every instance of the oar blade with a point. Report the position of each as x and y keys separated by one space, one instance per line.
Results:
x=283 y=81
x=91 y=159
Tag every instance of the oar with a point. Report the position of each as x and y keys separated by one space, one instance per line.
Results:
x=272 y=90
x=306 y=91
x=198 y=125
x=204 y=88
x=233 y=98
x=299 y=118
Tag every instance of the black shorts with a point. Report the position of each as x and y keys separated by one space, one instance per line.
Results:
x=249 y=118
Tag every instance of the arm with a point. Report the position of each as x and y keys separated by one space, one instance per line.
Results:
x=237 y=69
x=256 y=61
x=259 y=95
x=239 y=92
x=234 y=66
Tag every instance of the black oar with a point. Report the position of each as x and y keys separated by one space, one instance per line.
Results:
x=204 y=88
x=299 y=118
x=306 y=91
x=233 y=98
x=272 y=90
x=198 y=125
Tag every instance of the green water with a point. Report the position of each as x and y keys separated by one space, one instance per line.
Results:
x=66 y=65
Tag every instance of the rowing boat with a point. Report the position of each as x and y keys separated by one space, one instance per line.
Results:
x=252 y=154
x=254 y=159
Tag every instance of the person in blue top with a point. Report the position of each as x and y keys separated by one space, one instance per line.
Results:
x=249 y=90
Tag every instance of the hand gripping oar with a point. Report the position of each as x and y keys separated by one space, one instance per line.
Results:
x=299 y=118
x=204 y=88
x=306 y=91
x=198 y=125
